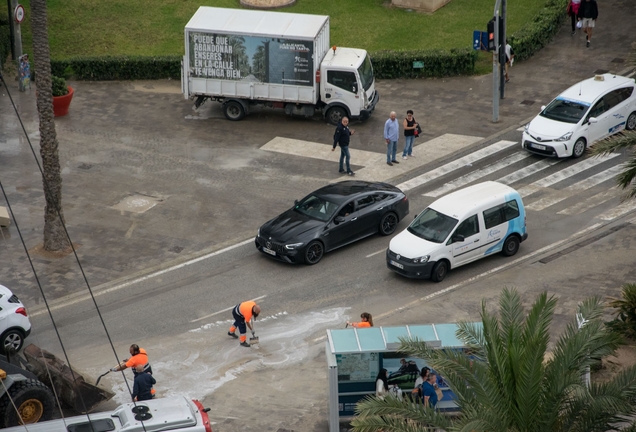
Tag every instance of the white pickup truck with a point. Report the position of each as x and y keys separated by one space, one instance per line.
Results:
x=243 y=58
x=175 y=414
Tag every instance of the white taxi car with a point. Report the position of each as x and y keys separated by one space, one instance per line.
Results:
x=583 y=114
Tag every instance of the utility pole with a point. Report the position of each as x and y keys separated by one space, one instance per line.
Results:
x=495 y=67
x=498 y=57
x=16 y=33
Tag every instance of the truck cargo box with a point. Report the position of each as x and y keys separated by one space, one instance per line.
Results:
x=255 y=55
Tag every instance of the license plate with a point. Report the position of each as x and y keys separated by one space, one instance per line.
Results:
x=397 y=264
x=269 y=251
x=538 y=146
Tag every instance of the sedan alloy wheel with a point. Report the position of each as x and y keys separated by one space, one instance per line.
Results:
x=314 y=252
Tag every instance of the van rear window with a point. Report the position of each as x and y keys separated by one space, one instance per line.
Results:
x=502 y=213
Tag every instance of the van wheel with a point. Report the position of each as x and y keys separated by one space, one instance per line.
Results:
x=335 y=115
x=511 y=246
x=439 y=271
x=233 y=110
x=631 y=121
x=579 y=148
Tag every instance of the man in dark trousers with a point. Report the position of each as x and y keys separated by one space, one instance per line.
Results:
x=341 y=138
x=588 y=12
x=142 y=387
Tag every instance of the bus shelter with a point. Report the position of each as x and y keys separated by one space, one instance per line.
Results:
x=355 y=357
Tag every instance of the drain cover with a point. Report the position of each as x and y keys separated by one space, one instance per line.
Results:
x=527 y=102
x=137 y=203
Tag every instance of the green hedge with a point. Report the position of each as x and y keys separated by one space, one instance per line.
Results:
x=540 y=31
x=437 y=63
x=5 y=41
x=118 y=68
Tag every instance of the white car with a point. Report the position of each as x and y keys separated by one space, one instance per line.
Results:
x=14 y=322
x=583 y=114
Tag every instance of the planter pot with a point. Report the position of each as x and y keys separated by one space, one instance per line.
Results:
x=61 y=103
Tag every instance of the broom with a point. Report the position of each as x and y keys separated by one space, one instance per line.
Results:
x=254 y=338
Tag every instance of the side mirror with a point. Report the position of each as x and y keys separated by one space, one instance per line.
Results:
x=295 y=202
x=354 y=89
x=458 y=238
x=339 y=219
x=592 y=120
x=542 y=107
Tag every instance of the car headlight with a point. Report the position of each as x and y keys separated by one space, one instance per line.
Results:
x=526 y=127
x=421 y=260
x=258 y=233
x=565 y=137
x=293 y=246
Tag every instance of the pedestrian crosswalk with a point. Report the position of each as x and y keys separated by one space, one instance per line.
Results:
x=565 y=182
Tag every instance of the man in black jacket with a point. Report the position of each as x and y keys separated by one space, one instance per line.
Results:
x=142 y=386
x=588 y=12
x=341 y=138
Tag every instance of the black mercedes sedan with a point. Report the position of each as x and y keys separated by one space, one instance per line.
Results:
x=331 y=217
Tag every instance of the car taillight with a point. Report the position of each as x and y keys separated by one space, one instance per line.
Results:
x=21 y=311
x=405 y=198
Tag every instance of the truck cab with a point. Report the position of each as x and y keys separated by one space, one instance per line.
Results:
x=348 y=85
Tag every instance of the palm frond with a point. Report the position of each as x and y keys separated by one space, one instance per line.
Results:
x=623 y=140
x=399 y=415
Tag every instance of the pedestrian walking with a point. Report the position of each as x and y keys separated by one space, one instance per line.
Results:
x=588 y=13
x=410 y=127
x=573 y=10
x=243 y=314
x=142 y=386
x=367 y=321
x=510 y=58
x=391 y=135
x=341 y=138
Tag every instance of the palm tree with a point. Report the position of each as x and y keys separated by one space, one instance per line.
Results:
x=54 y=235
x=510 y=384
x=625 y=140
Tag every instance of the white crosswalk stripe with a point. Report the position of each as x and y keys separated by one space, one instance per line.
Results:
x=564 y=174
x=528 y=171
x=589 y=203
x=572 y=190
x=456 y=164
x=476 y=175
x=619 y=210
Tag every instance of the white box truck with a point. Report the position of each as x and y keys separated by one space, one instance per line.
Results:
x=243 y=58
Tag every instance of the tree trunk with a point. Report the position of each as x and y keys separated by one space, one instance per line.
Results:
x=54 y=235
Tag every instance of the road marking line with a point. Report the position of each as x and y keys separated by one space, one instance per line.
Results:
x=527 y=171
x=619 y=210
x=456 y=164
x=225 y=310
x=564 y=174
x=581 y=186
x=143 y=278
x=475 y=175
x=375 y=253
x=589 y=203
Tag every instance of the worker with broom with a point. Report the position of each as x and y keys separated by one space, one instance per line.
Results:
x=138 y=362
x=243 y=314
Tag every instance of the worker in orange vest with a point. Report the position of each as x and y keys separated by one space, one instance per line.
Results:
x=243 y=313
x=138 y=362
x=367 y=321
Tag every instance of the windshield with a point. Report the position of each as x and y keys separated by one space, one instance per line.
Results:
x=565 y=110
x=432 y=226
x=366 y=73
x=316 y=207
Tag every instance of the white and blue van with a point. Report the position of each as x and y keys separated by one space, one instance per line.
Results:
x=459 y=228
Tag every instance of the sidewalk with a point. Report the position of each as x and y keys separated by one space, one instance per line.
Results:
x=201 y=180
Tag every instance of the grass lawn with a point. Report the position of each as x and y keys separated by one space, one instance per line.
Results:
x=155 y=27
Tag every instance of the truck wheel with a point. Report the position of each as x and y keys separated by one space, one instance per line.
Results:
x=233 y=110
x=34 y=401
x=335 y=114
